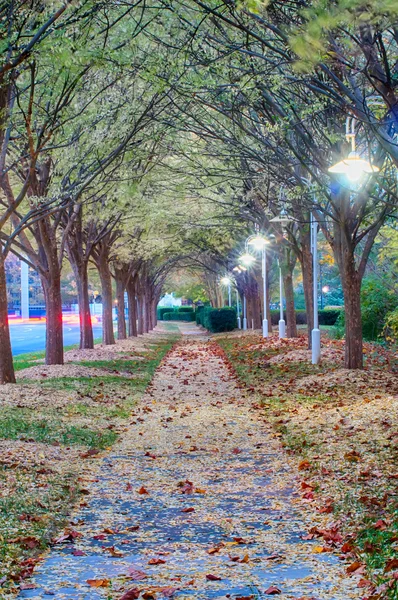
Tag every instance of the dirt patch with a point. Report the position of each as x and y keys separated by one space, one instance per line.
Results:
x=50 y=371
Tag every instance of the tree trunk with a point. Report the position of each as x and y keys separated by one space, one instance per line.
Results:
x=291 y=326
x=107 y=306
x=86 y=328
x=54 y=332
x=145 y=314
x=140 y=315
x=353 y=322
x=7 y=374
x=306 y=268
x=132 y=309
x=121 y=320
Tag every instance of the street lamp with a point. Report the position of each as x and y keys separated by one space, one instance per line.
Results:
x=282 y=324
x=227 y=282
x=259 y=243
x=353 y=166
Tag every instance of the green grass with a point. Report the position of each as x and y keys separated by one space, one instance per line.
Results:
x=19 y=425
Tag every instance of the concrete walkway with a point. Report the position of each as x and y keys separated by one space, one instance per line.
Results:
x=195 y=502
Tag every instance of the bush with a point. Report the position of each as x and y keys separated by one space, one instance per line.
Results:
x=326 y=316
x=376 y=302
x=186 y=309
x=164 y=310
x=199 y=310
x=219 y=319
x=390 y=330
x=176 y=316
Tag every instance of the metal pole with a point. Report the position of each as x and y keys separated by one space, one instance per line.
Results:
x=316 y=334
x=244 y=314
x=282 y=324
x=265 y=321
x=237 y=310
x=229 y=295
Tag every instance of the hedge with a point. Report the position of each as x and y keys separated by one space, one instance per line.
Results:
x=327 y=316
x=218 y=319
x=199 y=310
x=163 y=310
x=177 y=316
x=185 y=309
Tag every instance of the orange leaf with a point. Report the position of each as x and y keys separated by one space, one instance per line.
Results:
x=98 y=582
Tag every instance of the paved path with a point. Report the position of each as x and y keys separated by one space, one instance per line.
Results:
x=194 y=503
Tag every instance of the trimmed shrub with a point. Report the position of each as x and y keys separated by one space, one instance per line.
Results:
x=176 y=316
x=163 y=310
x=326 y=316
x=199 y=310
x=186 y=309
x=377 y=300
x=220 y=319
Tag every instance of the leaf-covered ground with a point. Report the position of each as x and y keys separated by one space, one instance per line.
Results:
x=340 y=430
x=195 y=501
x=55 y=425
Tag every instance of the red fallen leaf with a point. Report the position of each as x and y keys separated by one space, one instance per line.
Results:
x=150 y=455
x=132 y=594
x=90 y=453
x=272 y=591
x=211 y=577
x=156 y=561
x=347 y=547
x=305 y=464
x=363 y=583
x=244 y=598
x=168 y=592
x=142 y=490
x=236 y=451
x=100 y=536
x=380 y=525
x=129 y=487
x=305 y=485
x=68 y=536
x=136 y=574
x=239 y=540
x=29 y=542
x=78 y=553
x=391 y=565
x=354 y=567
x=188 y=510
x=149 y=595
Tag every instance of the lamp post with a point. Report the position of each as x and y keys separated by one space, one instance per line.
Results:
x=237 y=309
x=353 y=166
x=282 y=324
x=227 y=282
x=244 y=313
x=316 y=334
x=259 y=243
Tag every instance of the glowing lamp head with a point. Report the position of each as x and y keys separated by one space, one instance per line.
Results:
x=247 y=259
x=258 y=242
x=225 y=281
x=353 y=167
x=325 y=289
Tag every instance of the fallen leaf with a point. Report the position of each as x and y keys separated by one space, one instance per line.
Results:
x=156 y=561
x=132 y=594
x=211 y=577
x=272 y=590
x=96 y=583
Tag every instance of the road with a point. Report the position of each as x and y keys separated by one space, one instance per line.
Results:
x=31 y=337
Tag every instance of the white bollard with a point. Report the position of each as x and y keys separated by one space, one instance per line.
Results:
x=282 y=329
x=265 y=328
x=316 y=346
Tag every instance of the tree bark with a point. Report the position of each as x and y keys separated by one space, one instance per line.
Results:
x=353 y=321
x=140 y=315
x=107 y=305
x=121 y=320
x=86 y=328
x=306 y=268
x=54 y=331
x=291 y=326
x=132 y=308
x=7 y=374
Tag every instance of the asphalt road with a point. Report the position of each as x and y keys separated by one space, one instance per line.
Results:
x=32 y=337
